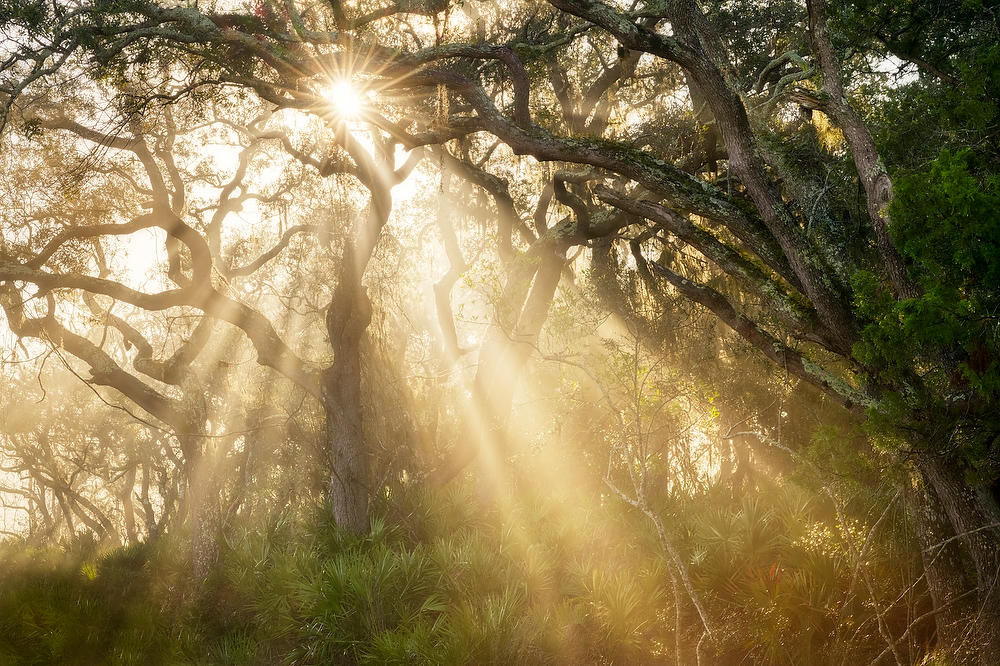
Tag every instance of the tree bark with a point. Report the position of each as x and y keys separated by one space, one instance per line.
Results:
x=347 y=319
x=942 y=562
x=531 y=286
x=871 y=171
x=507 y=349
x=975 y=520
x=128 y=506
x=683 y=654
x=201 y=506
x=349 y=471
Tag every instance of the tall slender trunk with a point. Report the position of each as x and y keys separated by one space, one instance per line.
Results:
x=683 y=620
x=128 y=506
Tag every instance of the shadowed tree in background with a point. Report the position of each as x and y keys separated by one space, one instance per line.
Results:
x=204 y=275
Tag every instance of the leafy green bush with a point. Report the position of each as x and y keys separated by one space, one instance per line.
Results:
x=450 y=580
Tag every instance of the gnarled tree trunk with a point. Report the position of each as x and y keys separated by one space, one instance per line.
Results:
x=974 y=518
x=347 y=318
x=941 y=557
x=201 y=506
x=528 y=294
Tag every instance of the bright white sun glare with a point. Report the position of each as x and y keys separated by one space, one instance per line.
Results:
x=345 y=98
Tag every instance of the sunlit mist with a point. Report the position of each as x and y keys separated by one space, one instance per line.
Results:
x=465 y=332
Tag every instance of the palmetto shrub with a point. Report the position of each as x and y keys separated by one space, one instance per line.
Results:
x=447 y=579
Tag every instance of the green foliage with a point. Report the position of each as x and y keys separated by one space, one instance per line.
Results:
x=28 y=15
x=301 y=591
x=774 y=557
x=938 y=133
x=82 y=608
x=946 y=222
x=450 y=580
